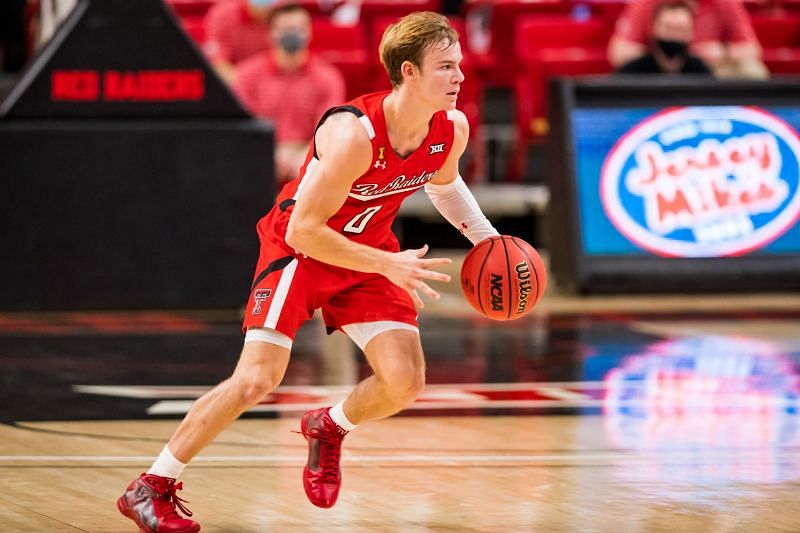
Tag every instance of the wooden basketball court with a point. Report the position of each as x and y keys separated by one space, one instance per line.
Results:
x=596 y=414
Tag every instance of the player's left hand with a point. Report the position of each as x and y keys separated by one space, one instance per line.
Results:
x=408 y=269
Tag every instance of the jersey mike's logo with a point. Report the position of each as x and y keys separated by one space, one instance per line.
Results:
x=704 y=181
x=402 y=183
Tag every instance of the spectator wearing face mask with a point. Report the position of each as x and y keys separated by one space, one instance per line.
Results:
x=668 y=53
x=723 y=37
x=234 y=32
x=289 y=86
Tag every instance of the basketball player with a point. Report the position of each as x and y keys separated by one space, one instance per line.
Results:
x=328 y=243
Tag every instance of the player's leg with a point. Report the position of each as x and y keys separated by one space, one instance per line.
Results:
x=394 y=351
x=381 y=319
x=260 y=369
x=398 y=364
x=281 y=300
x=151 y=500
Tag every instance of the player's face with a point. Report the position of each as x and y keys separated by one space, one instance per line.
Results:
x=440 y=77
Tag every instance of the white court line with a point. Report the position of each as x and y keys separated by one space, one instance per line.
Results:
x=194 y=391
x=172 y=407
x=649 y=455
x=302 y=459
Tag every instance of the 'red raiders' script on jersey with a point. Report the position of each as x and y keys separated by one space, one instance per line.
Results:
x=375 y=197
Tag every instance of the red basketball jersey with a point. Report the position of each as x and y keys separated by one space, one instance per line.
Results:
x=375 y=197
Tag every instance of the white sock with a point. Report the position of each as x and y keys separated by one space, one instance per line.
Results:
x=337 y=415
x=166 y=465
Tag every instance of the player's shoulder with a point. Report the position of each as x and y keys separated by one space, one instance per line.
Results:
x=460 y=123
x=344 y=133
x=346 y=125
x=458 y=117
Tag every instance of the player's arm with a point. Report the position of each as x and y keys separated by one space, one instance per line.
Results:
x=345 y=153
x=450 y=194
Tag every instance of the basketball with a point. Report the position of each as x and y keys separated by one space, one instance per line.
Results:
x=503 y=277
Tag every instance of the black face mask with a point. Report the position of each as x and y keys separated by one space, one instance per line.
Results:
x=673 y=49
x=291 y=42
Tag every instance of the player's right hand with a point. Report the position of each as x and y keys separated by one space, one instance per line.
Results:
x=408 y=269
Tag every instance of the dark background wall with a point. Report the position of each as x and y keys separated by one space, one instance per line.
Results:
x=139 y=202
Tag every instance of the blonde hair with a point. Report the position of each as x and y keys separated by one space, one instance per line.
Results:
x=407 y=40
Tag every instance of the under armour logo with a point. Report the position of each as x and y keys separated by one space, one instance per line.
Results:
x=380 y=164
x=259 y=297
x=436 y=149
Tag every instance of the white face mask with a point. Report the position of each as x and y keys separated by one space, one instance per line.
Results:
x=260 y=4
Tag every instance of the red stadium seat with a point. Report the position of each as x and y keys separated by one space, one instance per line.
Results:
x=780 y=40
x=781 y=32
x=329 y=36
x=345 y=47
x=608 y=11
x=313 y=7
x=191 y=8
x=499 y=63
x=783 y=64
x=537 y=34
x=549 y=47
x=390 y=10
x=196 y=28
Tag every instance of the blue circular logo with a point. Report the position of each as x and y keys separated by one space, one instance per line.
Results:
x=704 y=181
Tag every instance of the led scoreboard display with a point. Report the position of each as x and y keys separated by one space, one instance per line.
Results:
x=694 y=186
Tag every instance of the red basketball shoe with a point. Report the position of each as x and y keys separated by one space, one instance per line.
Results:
x=322 y=476
x=150 y=501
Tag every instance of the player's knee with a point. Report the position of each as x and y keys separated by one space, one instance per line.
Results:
x=254 y=382
x=405 y=383
x=251 y=389
x=259 y=372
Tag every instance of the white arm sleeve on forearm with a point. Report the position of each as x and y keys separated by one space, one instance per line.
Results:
x=456 y=204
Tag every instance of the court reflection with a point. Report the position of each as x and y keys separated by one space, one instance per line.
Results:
x=709 y=409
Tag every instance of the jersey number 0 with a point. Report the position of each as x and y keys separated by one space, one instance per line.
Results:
x=360 y=221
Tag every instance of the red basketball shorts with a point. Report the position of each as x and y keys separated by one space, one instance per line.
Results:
x=288 y=287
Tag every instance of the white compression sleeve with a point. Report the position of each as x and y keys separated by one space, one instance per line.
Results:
x=456 y=204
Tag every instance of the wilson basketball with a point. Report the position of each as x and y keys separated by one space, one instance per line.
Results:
x=503 y=277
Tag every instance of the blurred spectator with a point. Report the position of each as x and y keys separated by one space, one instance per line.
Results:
x=51 y=14
x=12 y=35
x=672 y=31
x=289 y=86
x=235 y=31
x=723 y=37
